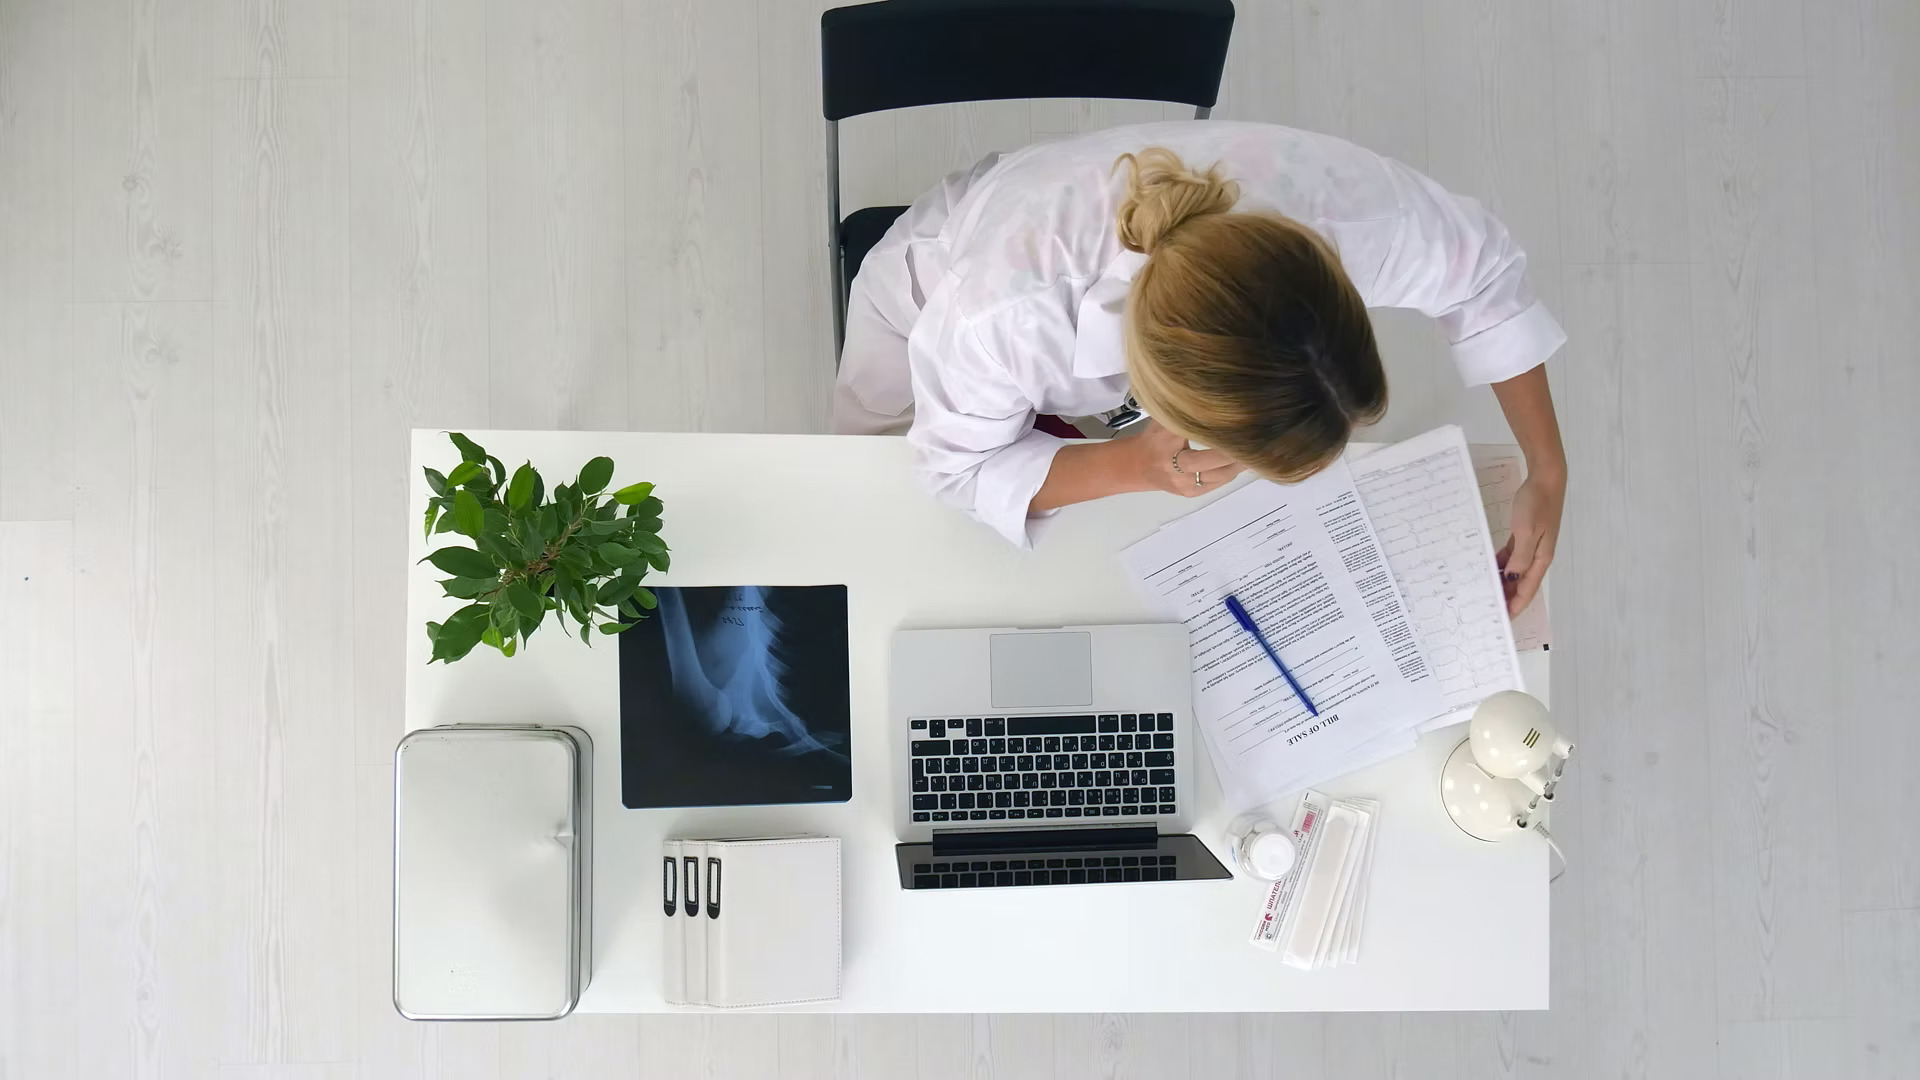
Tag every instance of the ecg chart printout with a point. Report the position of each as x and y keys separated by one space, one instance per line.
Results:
x=1424 y=502
x=1500 y=473
x=1296 y=557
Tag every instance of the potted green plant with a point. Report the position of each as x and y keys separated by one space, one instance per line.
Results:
x=572 y=552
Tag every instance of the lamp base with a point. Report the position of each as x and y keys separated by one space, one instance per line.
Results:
x=1484 y=807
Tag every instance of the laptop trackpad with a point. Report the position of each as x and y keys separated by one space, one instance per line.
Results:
x=1037 y=671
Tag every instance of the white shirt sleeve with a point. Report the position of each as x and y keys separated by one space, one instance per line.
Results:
x=972 y=435
x=1453 y=260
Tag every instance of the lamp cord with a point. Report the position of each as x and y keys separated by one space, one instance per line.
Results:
x=1548 y=837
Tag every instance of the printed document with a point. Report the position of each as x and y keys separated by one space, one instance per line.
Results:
x=1304 y=561
x=1425 y=504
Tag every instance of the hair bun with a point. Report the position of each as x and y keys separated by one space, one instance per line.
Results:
x=1162 y=193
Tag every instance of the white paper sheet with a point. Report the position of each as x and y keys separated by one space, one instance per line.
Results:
x=1305 y=563
x=1425 y=506
x=1500 y=471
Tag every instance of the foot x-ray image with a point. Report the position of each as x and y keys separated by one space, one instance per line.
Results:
x=736 y=696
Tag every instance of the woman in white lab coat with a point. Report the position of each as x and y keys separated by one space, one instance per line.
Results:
x=1220 y=272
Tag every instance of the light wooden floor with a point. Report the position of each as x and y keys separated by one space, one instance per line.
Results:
x=246 y=244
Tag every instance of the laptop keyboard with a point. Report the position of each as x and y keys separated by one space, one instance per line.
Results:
x=1091 y=870
x=1019 y=768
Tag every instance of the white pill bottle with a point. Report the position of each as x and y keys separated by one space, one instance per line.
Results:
x=1259 y=848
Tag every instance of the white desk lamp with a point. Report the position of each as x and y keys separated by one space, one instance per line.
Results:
x=1499 y=782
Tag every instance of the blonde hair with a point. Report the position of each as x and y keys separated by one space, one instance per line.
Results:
x=1242 y=330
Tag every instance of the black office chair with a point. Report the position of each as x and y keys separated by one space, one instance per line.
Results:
x=901 y=53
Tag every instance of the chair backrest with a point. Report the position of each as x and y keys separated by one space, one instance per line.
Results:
x=901 y=53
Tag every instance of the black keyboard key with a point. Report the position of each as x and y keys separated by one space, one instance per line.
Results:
x=1166 y=808
x=1070 y=743
x=1125 y=742
x=917 y=725
x=971 y=764
x=1074 y=811
x=1056 y=811
x=1166 y=794
x=1160 y=759
x=1016 y=813
x=978 y=815
x=1110 y=811
x=1062 y=762
x=1147 y=796
x=997 y=747
x=973 y=728
x=1166 y=721
x=1129 y=722
x=996 y=726
x=949 y=801
x=932 y=765
x=924 y=747
x=921 y=817
x=920 y=784
x=1093 y=796
x=1080 y=762
x=1161 y=776
x=1139 y=777
x=976 y=782
x=1066 y=779
x=978 y=748
x=1099 y=761
x=937 y=783
x=1052 y=745
x=967 y=880
x=1006 y=763
x=1103 y=778
x=1076 y=797
x=951 y=764
x=1106 y=742
x=1004 y=799
x=1030 y=780
x=1003 y=877
x=1134 y=760
x=966 y=799
x=1048 y=779
x=996 y=815
x=1049 y=725
x=926 y=802
x=1083 y=779
x=1113 y=796
x=939 y=815
x=1129 y=860
x=1059 y=798
x=1127 y=795
x=1025 y=763
x=1022 y=877
x=938 y=729
x=1020 y=798
x=993 y=781
x=1110 y=722
x=1163 y=741
x=949 y=881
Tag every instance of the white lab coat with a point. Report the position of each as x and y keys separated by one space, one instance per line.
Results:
x=999 y=294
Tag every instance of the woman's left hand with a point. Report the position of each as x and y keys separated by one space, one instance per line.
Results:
x=1529 y=551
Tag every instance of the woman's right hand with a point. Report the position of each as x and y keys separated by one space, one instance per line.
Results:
x=1162 y=461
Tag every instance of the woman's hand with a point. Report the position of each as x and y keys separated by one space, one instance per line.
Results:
x=1159 y=460
x=1529 y=551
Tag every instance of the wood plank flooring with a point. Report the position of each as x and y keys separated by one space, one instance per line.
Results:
x=245 y=245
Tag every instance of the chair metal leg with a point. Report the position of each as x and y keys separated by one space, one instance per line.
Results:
x=835 y=261
x=1202 y=113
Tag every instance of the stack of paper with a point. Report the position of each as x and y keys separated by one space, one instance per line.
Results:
x=1306 y=565
x=1375 y=583
x=1313 y=916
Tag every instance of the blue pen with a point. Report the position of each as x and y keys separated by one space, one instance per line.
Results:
x=1246 y=623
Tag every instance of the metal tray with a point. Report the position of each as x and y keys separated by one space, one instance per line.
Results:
x=491 y=861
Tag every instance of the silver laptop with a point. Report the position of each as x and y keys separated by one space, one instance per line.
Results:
x=1040 y=757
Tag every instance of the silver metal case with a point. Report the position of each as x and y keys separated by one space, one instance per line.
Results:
x=492 y=858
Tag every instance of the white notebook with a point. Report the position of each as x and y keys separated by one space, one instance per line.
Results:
x=751 y=921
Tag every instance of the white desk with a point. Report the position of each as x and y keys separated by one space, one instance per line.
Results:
x=1453 y=923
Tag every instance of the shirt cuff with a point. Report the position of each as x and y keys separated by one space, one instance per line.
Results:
x=1006 y=483
x=1511 y=348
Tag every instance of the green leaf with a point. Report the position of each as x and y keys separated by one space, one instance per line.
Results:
x=508 y=648
x=467 y=515
x=586 y=628
x=650 y=507
x=650 y=524
x=520 y=492
x=661 y=561
x=436 y=481
x=490 y=636
x=633 y=493
x=606 y=512
x=460 y=633
x=470 y=588
x=645 y=598
x=506 y=619
x=616 y=554
x=464 y=473
x=613 y=591
x=462 y=562
x=549 y=519
x=576 y=560
x=648 y=543
x=499 y=470
x=524 y=601
x=630 y=610
x=433 y=514
x=469 y=450
x=595 y=474
x=433 y=630
x=445 y=526
x=615 y=627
